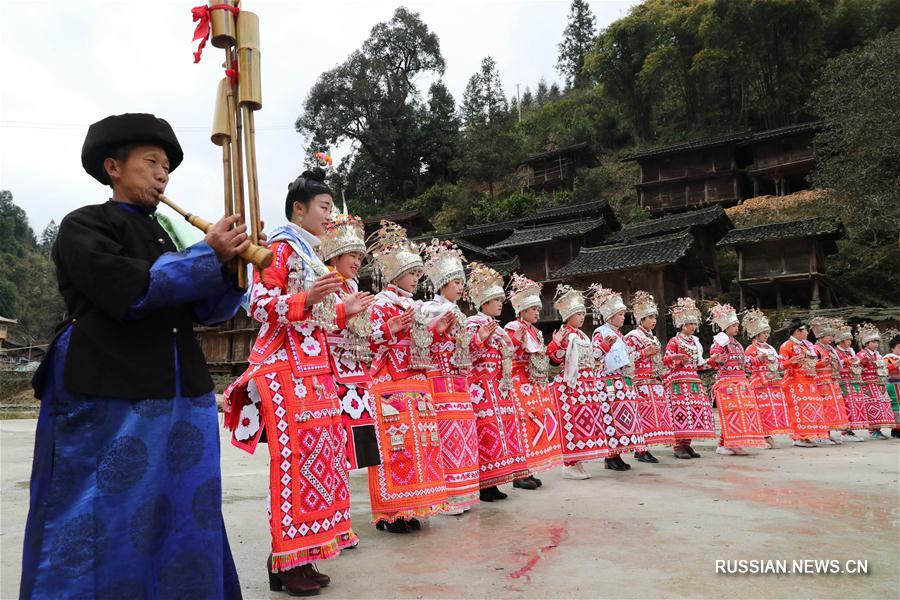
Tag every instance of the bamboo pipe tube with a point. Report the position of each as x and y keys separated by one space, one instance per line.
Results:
x=237 y=158
x=252 y=181
x=256 y=255
x=250 y=99
x=222 y=23
x=221 y=136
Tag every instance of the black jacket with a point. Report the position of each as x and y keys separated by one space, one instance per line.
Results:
x=103 y=255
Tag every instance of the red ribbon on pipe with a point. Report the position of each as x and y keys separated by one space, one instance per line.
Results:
x=200 y=15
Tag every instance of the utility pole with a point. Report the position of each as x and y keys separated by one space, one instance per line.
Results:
x=518 y=102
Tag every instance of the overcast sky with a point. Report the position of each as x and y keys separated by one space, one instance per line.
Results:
x=68 y=64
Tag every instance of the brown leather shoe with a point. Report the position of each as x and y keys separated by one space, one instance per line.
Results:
x=682 y=452
x=313 y=573
x=294 y=581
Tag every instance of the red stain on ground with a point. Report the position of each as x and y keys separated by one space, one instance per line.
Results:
x=557 y=535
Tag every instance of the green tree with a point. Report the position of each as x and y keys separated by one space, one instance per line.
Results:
x=616 y=62
x=28 y=288
x=440 y=134
x=578 y=39
x=579 y=116
x=859 y=149
x=772 y=53
x=371 y=101
x=491 y=148
x=48 y=236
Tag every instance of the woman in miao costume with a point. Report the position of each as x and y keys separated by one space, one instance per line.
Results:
x=874 y=374
x=828 y=375
x=653 y=405
x=501 y=449
x=289 y=393
x=409 y=483
x=541 y=430
x=614 y=367
x=692 y=416
x=575 y=386
x=850 y=383
x=799 y=384
x=892 y=362
x=448 y=375
x=343 y=249
x=738 y=414
x=765 y=368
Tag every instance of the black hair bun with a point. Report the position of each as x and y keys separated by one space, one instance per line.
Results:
x=894 y=341
x=314 y=174
x=306 y=187
x=795 y=324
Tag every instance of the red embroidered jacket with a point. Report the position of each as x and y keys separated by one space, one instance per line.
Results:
x=869 y=361
x=557 y=352
x=346 y=370
x=681 y=371
x=390 y=353
x=803 y=370
x=641 y=344
x=828 y=364
x=729 y=359
x=760 y=357
x=486 y=356
x=443 y=346
x=532 y=343
x=850 y=365
x=278 y=302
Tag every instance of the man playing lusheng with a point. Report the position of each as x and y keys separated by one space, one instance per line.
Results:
x=126 y=486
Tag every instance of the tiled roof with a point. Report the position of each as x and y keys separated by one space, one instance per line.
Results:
x=621 y=257
x=673 y=222
x=696 y=144
x=546 y=233
x=784 y=230
x=466 y=246
x=812 y=126
x=395 y=216
x=574 y=210
x=558 y=152
x=505 y=267
x=742 y=138
x=476 y=230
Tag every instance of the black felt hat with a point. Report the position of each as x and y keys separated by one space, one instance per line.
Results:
x=104 y=137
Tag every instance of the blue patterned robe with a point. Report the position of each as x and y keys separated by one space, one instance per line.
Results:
x=126 y=495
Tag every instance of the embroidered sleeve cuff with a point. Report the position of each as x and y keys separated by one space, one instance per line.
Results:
x=341 y=318
x=297 y=307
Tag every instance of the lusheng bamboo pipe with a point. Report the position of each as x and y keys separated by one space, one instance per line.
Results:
x=227 y=122
x=221 y=136
x=249 y=99
x=257 y=255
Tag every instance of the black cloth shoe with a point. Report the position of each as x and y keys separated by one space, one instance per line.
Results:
x=540 y=483
x=498 y=495
x=615 y=464
x=623 y=463
x=486 y=495
x=524 y=483
x=682 y=453
x=398 y=526
x=895 y=433
x=645 y=457
x=414 y=524
x=693 y=453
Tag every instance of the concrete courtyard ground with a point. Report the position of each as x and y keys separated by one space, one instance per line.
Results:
x=653 y=532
